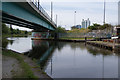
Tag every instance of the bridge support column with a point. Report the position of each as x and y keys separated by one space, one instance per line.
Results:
x=40 y=34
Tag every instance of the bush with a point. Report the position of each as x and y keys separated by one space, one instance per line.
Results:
x=5 y=29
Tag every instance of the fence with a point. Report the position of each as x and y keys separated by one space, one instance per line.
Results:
x=95 y=33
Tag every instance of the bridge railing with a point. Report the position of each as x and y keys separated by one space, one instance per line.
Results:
x=37 y=4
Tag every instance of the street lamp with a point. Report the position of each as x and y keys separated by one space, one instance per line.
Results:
x=56 y=19
x=75 y=18
x=51 y=11
x=104 y=13
x=38 y=4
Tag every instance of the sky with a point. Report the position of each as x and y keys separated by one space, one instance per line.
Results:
x=92 y=9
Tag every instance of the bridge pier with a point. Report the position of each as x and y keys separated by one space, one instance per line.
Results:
x=40 y=34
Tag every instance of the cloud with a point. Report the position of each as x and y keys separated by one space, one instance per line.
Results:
x=92 y=10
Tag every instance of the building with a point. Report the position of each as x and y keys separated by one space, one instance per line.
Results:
x=85 y=23
x=76 y=27
x=88 y=22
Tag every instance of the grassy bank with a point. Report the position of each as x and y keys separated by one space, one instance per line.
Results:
x=26 y=68
x=14 y=35
x=70 y=38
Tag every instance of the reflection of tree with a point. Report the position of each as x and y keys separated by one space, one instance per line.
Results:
x=60 y=45
x=77 y=45
x=11 y=42
x=5 y=42
x=37 y=51
x=43 y=50
x=97 y=51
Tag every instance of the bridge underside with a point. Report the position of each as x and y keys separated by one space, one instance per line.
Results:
x=10 y=19
x=24 y=15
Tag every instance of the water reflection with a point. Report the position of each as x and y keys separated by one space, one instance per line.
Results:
x=69 y=60
x=74 y=60
x=20 y=44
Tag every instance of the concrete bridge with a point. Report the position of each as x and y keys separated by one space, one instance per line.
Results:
x=27 y=14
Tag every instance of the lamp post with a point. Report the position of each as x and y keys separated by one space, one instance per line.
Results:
x=56 y=19
x=75 y=18
x=38 y=4
x=51 y=11
x=104 y=12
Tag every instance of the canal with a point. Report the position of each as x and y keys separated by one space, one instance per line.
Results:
x=68 y=59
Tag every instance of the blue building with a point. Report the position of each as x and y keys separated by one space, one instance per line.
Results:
x=76 y=27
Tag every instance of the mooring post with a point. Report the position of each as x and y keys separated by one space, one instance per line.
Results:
x=85 y=39
x=113 y=43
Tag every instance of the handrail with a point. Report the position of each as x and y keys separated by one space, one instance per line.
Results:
x=42 y=10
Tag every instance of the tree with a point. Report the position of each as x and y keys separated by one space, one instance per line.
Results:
x=92 y=28
x=60 y=30
x=99 y=27
x=5 y=29
x=18 y=31
x=11 y=30
x=26 y=32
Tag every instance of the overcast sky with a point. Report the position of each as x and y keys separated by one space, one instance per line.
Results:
x=92 y=9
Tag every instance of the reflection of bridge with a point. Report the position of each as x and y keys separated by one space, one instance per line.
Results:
x=42 y=51
x=26 y=14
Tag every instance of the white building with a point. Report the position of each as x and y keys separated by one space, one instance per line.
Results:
x=85 y=23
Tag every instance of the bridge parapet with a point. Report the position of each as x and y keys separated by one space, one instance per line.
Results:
x=45 y=14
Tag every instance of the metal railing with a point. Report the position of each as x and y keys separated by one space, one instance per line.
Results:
x=78 y=35
x=37 y=4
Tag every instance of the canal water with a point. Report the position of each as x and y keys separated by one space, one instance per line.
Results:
x=68 y=59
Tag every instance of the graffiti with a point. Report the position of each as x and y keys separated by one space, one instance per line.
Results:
x=40 y=34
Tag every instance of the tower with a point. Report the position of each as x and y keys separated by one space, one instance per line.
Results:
x=119 y=13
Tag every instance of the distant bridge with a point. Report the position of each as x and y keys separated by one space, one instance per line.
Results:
x=27 y=14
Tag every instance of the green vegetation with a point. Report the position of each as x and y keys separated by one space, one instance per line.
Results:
x=5 y=29
x=99 y=27
x=27 y=69
x=8 y=32
x=82 y=30
x=4 y=42
x=60 y=30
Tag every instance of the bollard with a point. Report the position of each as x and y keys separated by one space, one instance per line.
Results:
x=113 y=43
x=85 y=38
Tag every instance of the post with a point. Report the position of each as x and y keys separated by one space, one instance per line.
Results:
x=11 y=29
x=56 y=19
x=85 y=38
x=104 y=13
x=113 y=43
x=51 y=11
x=38 y=4
x=75 y=18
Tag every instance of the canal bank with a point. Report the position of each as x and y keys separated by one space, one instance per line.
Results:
x=64 y=40
x=106 y=45
x=19 y=66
